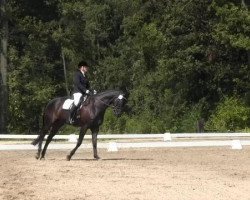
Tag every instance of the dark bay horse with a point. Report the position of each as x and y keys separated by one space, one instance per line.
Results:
x=91 y=117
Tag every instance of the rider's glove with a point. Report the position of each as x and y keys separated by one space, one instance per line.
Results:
x=94 y=92
x=87 y=92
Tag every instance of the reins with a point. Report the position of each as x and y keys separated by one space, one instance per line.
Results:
x=110 y=101
x=106 y=103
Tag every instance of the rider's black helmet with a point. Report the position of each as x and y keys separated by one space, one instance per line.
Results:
x=82 y=63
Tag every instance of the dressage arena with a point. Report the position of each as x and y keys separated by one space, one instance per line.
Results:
x=178 y=173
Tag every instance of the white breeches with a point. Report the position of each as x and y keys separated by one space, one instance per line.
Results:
x=77 y=96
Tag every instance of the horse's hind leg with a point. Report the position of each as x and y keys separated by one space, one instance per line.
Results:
x=79 y=142
x=40 y=139
x=53 y=132
x=39 y=149
x=40 y=146
x=94 y=141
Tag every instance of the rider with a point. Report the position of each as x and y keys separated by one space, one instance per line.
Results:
x=81 y=88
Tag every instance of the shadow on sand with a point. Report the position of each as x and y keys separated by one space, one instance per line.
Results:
x=111 y=159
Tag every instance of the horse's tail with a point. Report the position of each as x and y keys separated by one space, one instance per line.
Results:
x=48 y=118
x=40 y=136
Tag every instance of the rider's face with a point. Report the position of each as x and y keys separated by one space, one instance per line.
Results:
x=84 y=69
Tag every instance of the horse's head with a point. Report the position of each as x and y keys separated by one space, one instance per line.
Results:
x=118 y=104
x=111 y=98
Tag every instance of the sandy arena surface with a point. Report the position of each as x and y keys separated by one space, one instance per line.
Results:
x=164 y=173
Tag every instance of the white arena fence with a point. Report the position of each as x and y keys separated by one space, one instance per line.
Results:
x=164 y=136
x=234 y=140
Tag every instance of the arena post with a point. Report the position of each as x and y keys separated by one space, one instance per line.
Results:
x=72 y=138
x=236 y=144
x=167 y=137
x=112 y=146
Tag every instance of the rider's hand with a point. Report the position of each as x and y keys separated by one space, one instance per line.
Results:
x=94 y=92
x=87 y=92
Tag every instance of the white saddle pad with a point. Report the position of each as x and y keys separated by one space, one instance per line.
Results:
x=67 y=104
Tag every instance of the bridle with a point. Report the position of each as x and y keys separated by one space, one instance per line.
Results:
x=112 y=106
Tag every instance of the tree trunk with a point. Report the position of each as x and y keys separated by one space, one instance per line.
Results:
x=65 y=73
x=243 y=2
x=3 y=69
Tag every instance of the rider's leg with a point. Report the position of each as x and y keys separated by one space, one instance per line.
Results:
x=77 y=97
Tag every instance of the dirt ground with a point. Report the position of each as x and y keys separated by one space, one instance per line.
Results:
x=164 y=173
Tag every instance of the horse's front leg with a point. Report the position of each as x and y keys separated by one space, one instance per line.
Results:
x=94 y=141
x=79 y=142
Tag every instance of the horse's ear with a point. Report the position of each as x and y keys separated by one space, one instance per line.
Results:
x=126 y=94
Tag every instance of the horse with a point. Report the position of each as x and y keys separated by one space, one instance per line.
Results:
x=91 y=115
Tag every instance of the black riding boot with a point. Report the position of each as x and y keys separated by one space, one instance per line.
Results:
x=72 y=114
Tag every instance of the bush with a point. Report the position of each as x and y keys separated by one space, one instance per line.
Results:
x=188 y=122
x=143 y=123
x=230 y=115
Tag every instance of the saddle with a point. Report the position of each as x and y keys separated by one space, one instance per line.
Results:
x=68 y=103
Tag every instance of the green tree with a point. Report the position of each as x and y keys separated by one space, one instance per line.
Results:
x=35 y=73
x=175 y=60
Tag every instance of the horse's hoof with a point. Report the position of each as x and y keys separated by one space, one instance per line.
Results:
x=42 y=158
x=97 y=157
x=37 y=157
x=68 y=158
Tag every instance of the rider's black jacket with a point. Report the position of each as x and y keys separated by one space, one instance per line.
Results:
x=81 y=83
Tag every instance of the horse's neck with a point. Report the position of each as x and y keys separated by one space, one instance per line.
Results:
x=107 y=99
x=103 y=102
x=99 y=107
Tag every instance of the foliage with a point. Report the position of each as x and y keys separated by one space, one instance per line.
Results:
x=136 y=124
x=233 y=27
x=189 y=121
x=230 y=115
x=175 y=60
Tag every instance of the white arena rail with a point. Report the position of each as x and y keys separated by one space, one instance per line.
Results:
x=133 y=136
x=202 y=135
x=209 y=140
x=233 y=144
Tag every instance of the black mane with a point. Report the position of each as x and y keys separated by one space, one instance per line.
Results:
x=108 y=93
